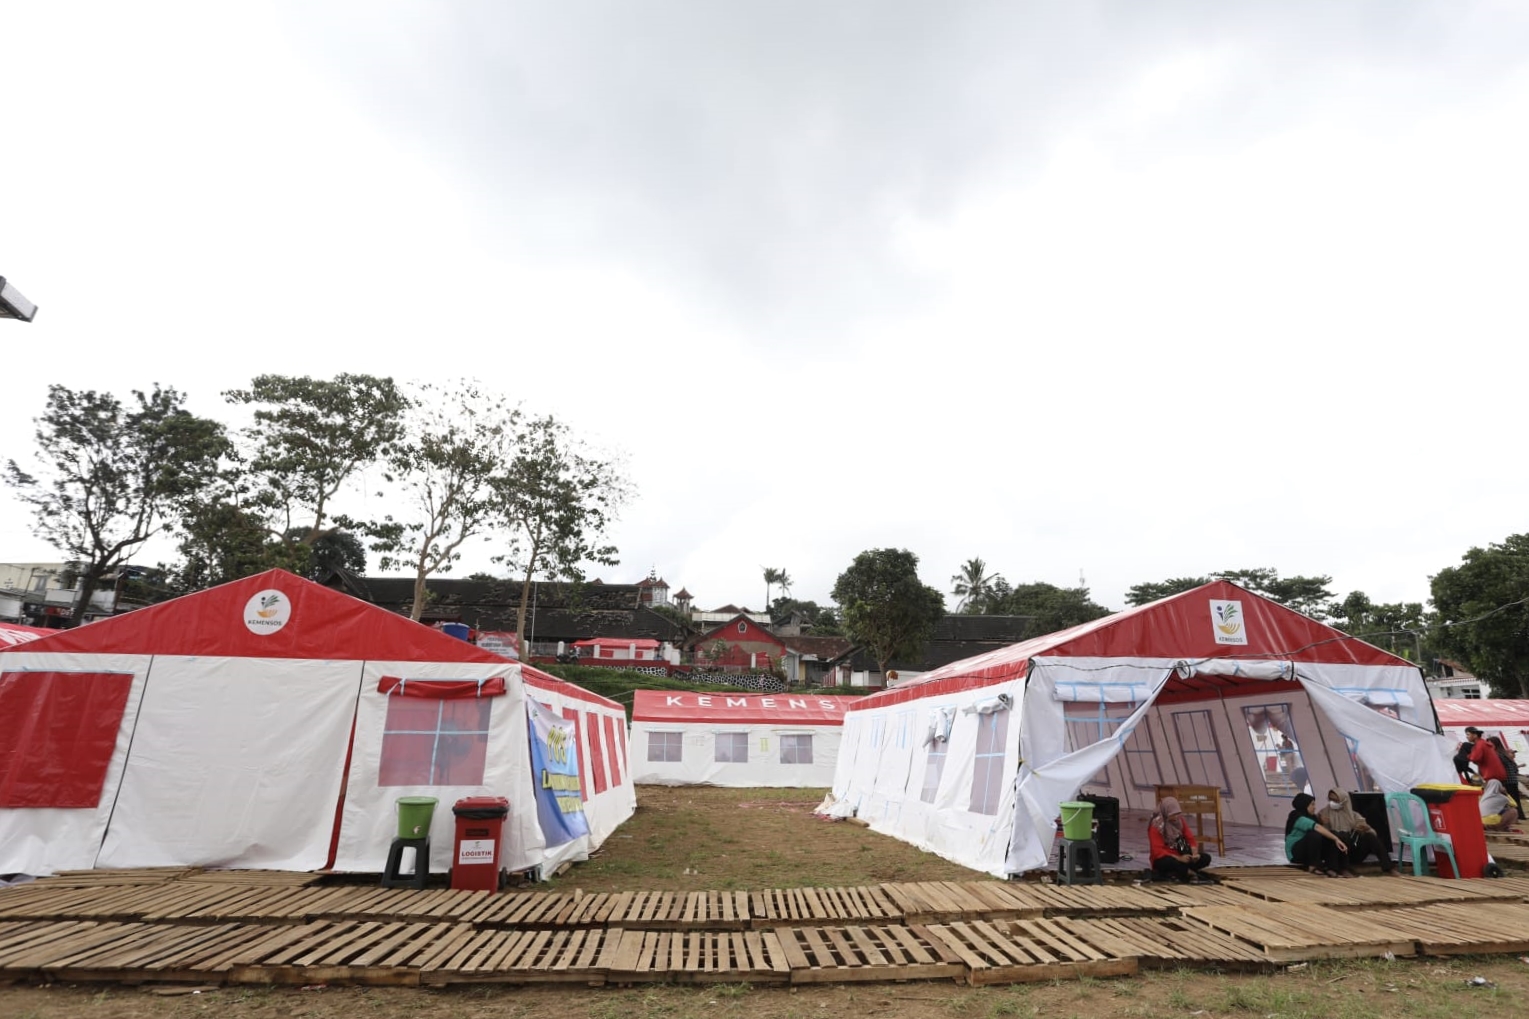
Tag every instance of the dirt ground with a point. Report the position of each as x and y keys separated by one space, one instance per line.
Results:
x=721 y=839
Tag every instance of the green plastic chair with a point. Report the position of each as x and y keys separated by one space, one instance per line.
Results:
x=1409 y=823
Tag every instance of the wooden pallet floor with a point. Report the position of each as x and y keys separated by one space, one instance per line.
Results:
x=1290 y=932
x=230 y=927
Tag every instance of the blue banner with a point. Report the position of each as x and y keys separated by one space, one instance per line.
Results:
x=555 y=764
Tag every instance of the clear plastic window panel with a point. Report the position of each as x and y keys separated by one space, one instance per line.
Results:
x=1203 y=763
x=732 y=748
x=796 y=748
x=988 y=771
x=1272 y=731
x=664 y=747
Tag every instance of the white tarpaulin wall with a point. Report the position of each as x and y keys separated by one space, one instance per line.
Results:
x=736 y=740
x=1121 y=723
x=368 y=819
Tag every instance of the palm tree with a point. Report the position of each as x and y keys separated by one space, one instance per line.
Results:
x=772 y=577
x=974 y=586
x=783 y=581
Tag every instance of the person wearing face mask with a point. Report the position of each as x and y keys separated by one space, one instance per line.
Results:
x=1362 y=840
x=1311 y=845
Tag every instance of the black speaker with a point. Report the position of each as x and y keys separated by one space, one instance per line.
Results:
x=1372 y=807
x=1107 y=822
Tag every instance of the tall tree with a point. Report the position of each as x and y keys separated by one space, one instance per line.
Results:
x=556 y=500
x=309 y=437
x=974 y=586
x=1049 y=607
x=885 y=606
x=772 y=577
x=1309 y=595
x=1151 y=591
x=1398 y=627
x=111 y=474
x=1483 y=612
x=457 y=440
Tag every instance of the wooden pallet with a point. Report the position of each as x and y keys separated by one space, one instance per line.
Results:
x=1290 y=933
x=791 y=906
x=1026 y=951
x=468 y=956
x=875 y=952
x=697 y=957
x=1166 y=942
x=1369 y=892
x=1488 y=928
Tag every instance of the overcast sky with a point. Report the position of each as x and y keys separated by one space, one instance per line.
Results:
x=1137 y=290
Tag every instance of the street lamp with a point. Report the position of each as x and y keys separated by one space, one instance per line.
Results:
x=13 y=305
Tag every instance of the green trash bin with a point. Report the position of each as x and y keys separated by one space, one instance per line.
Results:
x=414 y=814
x=1077 y=821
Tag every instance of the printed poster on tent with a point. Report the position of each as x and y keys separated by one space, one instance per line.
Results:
x=555 y=762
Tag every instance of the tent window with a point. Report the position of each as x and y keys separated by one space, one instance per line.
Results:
x=934 y=769
x=1279 y=757
x=664 y=747
x=1362 y=777
x=796 y=748
x=1203 y=764
x=613 y=749
x=987 y=773
x=904 y=729
x=596 y=751
x=732 y=748
x=1088 y=724
x=1143 y=770
x=429 y=742
x=878 y=731
x=58 y=731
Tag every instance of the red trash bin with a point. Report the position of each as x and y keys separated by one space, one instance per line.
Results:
x=475 y=853
x=1455 y=810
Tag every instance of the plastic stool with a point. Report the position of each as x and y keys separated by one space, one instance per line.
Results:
x=1078 y=862
x=390 y=876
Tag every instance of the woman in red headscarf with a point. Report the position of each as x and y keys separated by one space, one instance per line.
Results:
x=1173 y=850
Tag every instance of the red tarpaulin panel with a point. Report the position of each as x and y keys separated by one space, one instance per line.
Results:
x=780 y=709
x=440 y=689
x=57 y=734
x=596 y=750
x=613 y=749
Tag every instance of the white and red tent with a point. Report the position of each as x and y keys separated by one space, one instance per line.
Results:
x=1212 y=686
x=273 y=723
x=1508 y=719
x=736 y=739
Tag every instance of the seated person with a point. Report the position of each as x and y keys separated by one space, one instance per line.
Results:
x=1173 y=851
x=1362 y=840
x=1308 y=844
x=1497 y=811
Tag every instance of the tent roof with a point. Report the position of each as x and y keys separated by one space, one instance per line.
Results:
x=303 y=620
x=15 y=633
x=1179 y=626
x=1456 y=713
x=673 y=706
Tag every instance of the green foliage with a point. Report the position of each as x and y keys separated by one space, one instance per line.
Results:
x=455 y=443
x=1397 y=627
x=112 y=475
x=820 y=618
x=1490 y=588
x=1151 y=591
x=774 y=577
x=1311 y=596
x=310 y=436
x=974 y=586
x=556 y=500
x=885 y=606
x=1049 y=607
